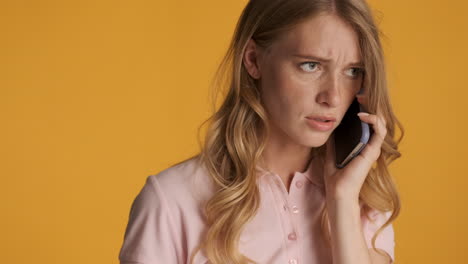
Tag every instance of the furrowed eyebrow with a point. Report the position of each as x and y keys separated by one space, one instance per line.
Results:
x=316 y=58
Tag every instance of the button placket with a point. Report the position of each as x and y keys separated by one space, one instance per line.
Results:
x=289 y=219
x=294 y=197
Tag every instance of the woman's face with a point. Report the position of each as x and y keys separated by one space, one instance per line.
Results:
x=312 y=70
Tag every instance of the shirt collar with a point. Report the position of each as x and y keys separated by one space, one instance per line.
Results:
x=308 y=173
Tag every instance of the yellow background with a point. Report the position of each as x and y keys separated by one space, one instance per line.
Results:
x=97 y=95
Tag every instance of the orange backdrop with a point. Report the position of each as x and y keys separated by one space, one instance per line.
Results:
x=97 y=95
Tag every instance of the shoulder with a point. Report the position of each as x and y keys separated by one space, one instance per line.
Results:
x=186 y=183
x=176 y=174
x=164 y=213
x=179 y=190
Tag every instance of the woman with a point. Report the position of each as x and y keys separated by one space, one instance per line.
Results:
x=264 y=188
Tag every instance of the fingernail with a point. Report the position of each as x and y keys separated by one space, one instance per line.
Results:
x=362 y=114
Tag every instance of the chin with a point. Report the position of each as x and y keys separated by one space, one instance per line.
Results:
x=318 y=139
x=314 y=141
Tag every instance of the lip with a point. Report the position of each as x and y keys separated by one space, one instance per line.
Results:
x=324 y=117
x=319 y=125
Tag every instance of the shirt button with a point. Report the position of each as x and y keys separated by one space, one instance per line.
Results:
x=292 y=261
x=292 y=236
x=299 y=184
x=295 y=209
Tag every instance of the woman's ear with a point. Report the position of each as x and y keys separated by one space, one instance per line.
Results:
x=251 y=59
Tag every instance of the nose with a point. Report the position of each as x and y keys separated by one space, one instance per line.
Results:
x=329 y=94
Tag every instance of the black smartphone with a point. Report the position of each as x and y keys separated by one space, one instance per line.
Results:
x=351 y=135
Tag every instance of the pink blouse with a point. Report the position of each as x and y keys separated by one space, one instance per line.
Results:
x=166 y=220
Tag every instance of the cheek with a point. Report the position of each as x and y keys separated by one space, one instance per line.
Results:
x=285 y=91
x=284 y=98
x=288 y=84
x=276 y=99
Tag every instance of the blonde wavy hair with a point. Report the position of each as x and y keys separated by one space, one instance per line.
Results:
x=237 y=132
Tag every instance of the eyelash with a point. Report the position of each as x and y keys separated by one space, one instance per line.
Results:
x=359 y=70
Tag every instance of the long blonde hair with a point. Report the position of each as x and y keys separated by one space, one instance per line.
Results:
x=237 y=131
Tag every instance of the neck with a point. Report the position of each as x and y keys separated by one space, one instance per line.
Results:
x=285 y=158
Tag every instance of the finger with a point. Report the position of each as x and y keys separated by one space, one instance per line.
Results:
x=372 y=151
x=363 y=99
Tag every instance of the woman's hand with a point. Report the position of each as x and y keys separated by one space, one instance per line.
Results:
x=346 y=183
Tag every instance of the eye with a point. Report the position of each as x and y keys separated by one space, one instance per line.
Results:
x=309 y=66
x=357 y=71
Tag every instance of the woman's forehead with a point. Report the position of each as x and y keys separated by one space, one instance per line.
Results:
x=321 y=36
